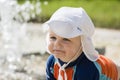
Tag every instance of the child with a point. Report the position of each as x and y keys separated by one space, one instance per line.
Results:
x=73 y=56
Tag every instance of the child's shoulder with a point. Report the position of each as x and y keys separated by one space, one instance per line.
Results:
x=108 y=67
x=50 y=60
x=106 y=63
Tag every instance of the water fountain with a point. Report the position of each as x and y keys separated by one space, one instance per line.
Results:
x=13 y=18
x=10 y=30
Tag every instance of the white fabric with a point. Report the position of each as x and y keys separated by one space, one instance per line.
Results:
x=60 y=77
x=69 y=22
x=62 y=68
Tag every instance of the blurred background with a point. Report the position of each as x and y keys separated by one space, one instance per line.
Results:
x=22 y=38
x=104 y=13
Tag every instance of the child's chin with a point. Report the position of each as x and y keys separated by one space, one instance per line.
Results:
x=57 y=55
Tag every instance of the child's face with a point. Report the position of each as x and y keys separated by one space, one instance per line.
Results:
x=63 y=48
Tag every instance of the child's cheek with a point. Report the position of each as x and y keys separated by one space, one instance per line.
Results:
x=50 y=47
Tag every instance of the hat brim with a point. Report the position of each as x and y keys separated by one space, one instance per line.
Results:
x=64 y=29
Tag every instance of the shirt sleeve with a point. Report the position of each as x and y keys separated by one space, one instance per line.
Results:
x=108 y=69
x=49 y=68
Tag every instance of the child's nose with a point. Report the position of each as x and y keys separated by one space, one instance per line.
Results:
x=58 y=44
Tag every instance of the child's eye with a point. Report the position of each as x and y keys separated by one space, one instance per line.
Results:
x=53 y=38
x=65 y=39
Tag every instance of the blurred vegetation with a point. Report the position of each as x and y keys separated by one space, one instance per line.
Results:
x=104 y=13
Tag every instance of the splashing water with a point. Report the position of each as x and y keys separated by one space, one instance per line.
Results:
x=13 y=18
x=10 y=31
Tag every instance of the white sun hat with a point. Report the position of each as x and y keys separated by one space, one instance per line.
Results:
x=69 y=22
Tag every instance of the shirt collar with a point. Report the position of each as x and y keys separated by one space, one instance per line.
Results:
x=73 y=63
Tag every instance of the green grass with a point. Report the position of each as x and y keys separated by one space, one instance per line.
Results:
x=103 y=13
